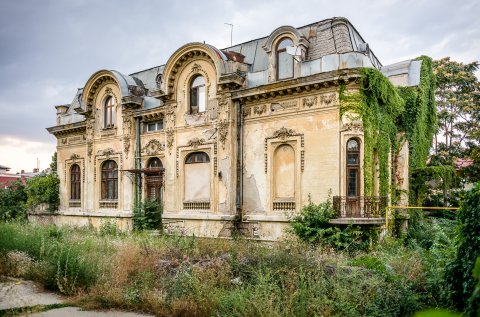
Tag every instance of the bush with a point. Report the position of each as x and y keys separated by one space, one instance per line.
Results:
x=459 y=276
x=148 y=215
x=12 y=202
x=312 y=224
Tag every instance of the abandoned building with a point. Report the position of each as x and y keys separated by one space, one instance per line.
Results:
x=244 y=134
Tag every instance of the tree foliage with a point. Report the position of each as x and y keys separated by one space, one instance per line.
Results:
x=458 y=103
x=13 y=202
x=43 y=189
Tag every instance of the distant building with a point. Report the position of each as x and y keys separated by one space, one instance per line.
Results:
x=220 y=136
x=6 y=179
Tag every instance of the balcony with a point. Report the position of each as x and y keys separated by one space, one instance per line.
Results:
x=368 y=210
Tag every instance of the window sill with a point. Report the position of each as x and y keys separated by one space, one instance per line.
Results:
x=108 y=131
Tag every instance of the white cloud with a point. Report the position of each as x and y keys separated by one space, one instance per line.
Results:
x=20 y=154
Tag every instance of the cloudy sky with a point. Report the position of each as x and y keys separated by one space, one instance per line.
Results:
x=50 y=48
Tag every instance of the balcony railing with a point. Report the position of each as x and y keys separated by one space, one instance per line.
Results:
x=360 y=206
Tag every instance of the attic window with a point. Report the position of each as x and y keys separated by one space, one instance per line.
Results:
x=284 y=60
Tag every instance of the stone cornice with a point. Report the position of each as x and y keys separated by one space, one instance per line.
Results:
x=68 y=129
x=296 y=86
x=150 y=114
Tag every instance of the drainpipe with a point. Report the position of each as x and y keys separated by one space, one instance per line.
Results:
x=138 y=164
x=239 y=199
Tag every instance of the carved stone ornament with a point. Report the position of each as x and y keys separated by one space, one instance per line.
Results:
x=127 y=124
x=74 y=157
x=258 y=110
x=107 y=152
x=108 y=90
x=309 y=102
x=328 y=99
x=195 y=142
x=283 y=133
x=89 y=128
x=223 y=132
x=353 y=126
x=170 y=140
x=126 y=144
x=89 y=148
x=153 y=147
x=196 y=68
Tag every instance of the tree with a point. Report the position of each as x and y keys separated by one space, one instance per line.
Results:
x=458 y=103
x=12 y=202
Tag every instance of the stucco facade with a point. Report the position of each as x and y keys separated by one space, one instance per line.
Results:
x=249 y=145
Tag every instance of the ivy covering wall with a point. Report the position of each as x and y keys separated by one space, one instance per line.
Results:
x=386 y=110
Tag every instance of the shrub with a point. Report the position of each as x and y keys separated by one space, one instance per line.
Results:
x=312 y=224
x=148 y=215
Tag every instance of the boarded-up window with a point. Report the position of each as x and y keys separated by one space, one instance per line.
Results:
x=75 y=182
x=284 y=171
x=197 y=177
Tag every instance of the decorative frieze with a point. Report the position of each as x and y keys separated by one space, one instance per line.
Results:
x=195 y=142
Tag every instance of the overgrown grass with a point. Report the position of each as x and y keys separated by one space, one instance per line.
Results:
x=188 y=276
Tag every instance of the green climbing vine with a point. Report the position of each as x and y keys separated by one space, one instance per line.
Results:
x=386 y=110
x=379 y=106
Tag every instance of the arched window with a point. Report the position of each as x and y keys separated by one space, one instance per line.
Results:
x=109 y=113
x=109 y=180
x=353 y=168
x=75 y=182
x=284 y=171
x=284 y=60
x=155 y=162
x=197 y=178
x=197 y=157
x=197 y=95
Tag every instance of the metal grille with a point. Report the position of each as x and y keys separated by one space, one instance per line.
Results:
x=74 y=203
x=360 y=206
x=109 y=204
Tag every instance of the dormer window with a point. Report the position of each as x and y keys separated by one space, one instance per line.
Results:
x=284 y=60
x=197 y=95
x=109 y=113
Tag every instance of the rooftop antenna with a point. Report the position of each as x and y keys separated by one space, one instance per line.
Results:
x=231 y=32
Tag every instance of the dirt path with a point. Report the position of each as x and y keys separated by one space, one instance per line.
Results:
x=18 y=295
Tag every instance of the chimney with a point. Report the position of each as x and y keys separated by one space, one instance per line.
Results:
x=35 y=170
x=22 y=172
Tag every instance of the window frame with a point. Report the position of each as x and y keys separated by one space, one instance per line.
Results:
x=154 y=159
x=157 y=126
x=198 y=157
x=109 y=113
x=194 y=95
x=355 y=166
x=109 y=175
x=75 y=182
x=277 y=57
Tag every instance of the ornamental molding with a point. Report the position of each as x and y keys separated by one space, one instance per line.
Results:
x=283 y=133
x=106 y=152
x=196 y=142
x=170 y=139
x=356 y=127
x=153 y=147
x=74 y=157
x=222 y=132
